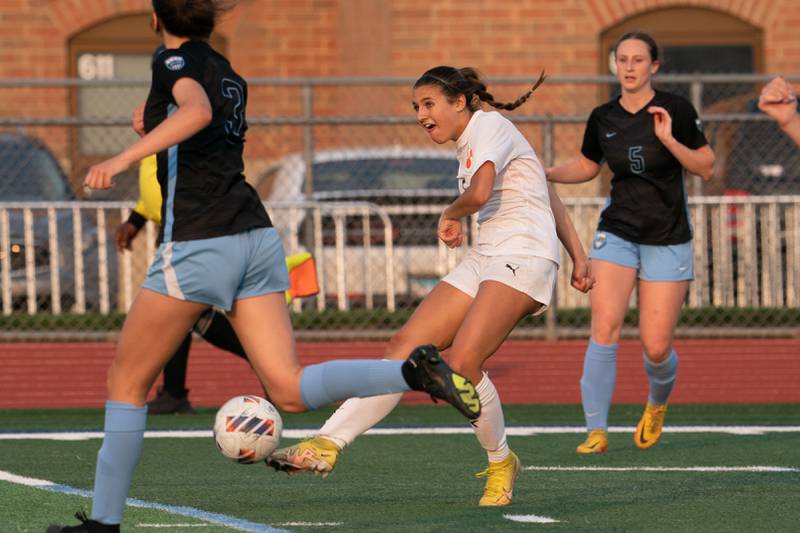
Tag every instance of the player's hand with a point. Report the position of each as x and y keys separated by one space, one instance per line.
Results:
x=450 y=231
x=100 y=175
x=582 y=278
x=778 y=100
x=662 y=123
x=124 y=236
x=137 y=119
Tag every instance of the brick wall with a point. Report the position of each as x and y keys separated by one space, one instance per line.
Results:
x=711 y=371
x=369 y=37
x=297 y=38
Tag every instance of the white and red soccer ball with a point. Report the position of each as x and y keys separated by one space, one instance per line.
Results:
x=247 y=429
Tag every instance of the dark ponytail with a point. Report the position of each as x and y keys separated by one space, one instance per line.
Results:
x=469 y=82
x=194 y=19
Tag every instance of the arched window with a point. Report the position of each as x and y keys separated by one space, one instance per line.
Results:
x=696 y=40
x=116 y=49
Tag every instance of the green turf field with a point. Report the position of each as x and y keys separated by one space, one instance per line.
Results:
x=420 y=483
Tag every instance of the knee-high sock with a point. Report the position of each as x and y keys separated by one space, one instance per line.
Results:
x=122 y=445
x=175 y=370
x=490 y=427
x=215 y=327
x=357 y=415
x=597 y=383
x=339 y=380
x=662 y=377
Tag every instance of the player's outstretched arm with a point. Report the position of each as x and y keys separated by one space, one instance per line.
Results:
x=779 y=100
x=578 y=170
x=193 y=114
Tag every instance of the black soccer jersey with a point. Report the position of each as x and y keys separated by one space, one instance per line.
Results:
x=203 y=190
x=648 y=199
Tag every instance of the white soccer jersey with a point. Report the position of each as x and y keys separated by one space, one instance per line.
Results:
x=517 y=219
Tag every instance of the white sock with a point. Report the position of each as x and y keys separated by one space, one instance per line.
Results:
x=490 y=427
x=357 y=415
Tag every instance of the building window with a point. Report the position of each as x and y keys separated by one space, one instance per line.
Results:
x=697 y=40
x=119 y=49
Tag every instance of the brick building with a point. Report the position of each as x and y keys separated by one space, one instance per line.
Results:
x=98 y=39
x=399 y=37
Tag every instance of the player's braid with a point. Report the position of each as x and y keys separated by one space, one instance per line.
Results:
x=487 y=97
x=469 y=82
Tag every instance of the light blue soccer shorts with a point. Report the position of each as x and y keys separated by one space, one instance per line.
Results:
x=219 y=270
x=672 y=262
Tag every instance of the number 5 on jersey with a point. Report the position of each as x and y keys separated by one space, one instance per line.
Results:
x=636 y=158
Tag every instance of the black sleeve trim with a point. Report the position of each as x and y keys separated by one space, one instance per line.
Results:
x=136 y=219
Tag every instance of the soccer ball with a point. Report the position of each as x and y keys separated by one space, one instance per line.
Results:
x=247 y=429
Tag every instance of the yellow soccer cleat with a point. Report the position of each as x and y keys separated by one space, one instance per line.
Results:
x=649 y=429
x=317 y=455
x=596 y=442
x=500 y=478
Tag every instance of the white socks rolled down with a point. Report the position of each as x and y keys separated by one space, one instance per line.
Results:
x=490 y=427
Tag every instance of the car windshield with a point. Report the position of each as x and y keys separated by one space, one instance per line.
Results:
x=29 y=173
x=390 y=174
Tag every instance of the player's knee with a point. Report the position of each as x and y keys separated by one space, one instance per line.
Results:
x=606 y=332
x=466 y=365
x=287 y=401
x=121 y=384
x=399 y=346
x=657 y=351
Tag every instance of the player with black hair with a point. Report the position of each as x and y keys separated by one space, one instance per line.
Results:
x=218 y=248
x=509 y=272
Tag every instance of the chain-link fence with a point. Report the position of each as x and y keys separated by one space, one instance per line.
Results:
x=348 y=175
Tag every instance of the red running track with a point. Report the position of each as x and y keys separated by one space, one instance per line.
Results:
x=711 y=371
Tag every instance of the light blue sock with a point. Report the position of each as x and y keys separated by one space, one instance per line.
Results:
x=597 y=383
x=122 y=445
x=662 y=377
x=338 y=380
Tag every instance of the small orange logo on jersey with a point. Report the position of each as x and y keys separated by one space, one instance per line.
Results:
x=469 y=158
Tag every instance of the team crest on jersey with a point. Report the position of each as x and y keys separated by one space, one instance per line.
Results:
x=174 y=62
x=469 y=158
x=599 y=240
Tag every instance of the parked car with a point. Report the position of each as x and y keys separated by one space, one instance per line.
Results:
x=761 y=158
x=388 y=177
x=392 y=178
x=30 y=173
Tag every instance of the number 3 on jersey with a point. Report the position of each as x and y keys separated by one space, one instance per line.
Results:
x=234 y=92
x=636 y=158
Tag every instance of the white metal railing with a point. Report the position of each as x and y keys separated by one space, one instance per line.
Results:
x=747 y=253
x=356 y=265
x=57 y=252
x=44 y=248
x=747 y=250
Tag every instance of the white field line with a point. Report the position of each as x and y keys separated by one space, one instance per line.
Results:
x=530 y=518
x=188 y=512
x=169 y=526
x=310 y=524
x=662 y=468
x=514 y=431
